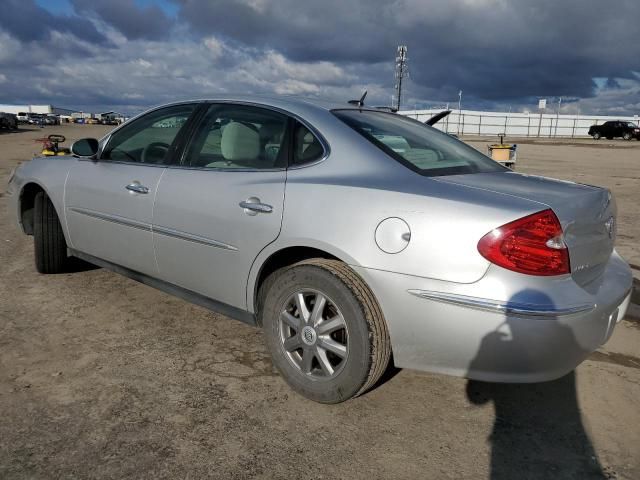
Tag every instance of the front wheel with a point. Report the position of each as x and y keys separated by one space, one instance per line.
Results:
x=597 y=136
x=325 y=331
x=626 y=136
x=50 y=247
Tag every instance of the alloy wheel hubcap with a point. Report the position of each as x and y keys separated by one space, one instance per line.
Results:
x=313 y=334
x=309 y=335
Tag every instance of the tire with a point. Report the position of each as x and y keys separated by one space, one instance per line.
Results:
x=50 y=247
x=351 y=319
x=627 y=136
x=597 y=136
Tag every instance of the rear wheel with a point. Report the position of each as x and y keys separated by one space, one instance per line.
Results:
x=48 y=237
x=597 y=136
x=324 y=329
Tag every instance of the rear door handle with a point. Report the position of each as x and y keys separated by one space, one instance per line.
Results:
x=253 y=206
x=137 y=188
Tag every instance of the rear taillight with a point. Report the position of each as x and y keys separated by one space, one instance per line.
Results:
x=533 y=245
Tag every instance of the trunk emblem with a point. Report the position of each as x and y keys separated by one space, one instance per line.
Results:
x=610 y=226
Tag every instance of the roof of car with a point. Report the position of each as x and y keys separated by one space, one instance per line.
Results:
x=286 y=102
x=284 y=99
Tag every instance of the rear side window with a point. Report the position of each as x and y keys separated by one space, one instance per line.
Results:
x=419 y=147
x=306 y=146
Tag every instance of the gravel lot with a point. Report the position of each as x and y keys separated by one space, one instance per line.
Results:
x=102 y=377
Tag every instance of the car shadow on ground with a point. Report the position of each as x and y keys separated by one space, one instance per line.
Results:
x=4 y=131
x=537 y=430
x=76 y=265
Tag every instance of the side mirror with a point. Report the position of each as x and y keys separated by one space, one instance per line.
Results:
x=85 y=147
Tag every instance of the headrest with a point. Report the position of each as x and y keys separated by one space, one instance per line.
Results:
x=239 y=142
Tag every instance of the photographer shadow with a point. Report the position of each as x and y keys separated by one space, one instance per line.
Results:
x=537 y=430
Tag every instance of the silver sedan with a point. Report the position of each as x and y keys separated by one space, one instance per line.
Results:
x=350 y=235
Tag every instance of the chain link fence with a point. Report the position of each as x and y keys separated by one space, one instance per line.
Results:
x=469 y=122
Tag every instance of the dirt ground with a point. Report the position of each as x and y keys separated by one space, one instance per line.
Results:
x=102 y=377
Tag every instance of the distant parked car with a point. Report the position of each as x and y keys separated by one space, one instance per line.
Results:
x=36 y=119
x=50 y=120
x=8 y=121
x=347 y=233
x=613 y=129
x=109 y=121
x=23 y=117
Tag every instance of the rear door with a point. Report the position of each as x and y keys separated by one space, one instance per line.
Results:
x=608 y=129
x=217 y=210
x=109 y=201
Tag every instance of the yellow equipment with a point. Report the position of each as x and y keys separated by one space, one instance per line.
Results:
x=51 y=148
x=504 y=153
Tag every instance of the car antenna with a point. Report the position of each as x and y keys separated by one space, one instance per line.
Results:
x=360 y=102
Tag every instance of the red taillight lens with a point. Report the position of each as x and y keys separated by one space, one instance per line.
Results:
x=533 y=245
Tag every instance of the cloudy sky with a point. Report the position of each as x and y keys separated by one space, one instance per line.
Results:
x=131 y=54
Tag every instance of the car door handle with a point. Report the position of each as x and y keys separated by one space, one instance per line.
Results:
x=253 y=206
x=137 y=188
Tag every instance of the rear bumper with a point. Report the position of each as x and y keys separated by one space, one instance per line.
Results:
x=506 y=327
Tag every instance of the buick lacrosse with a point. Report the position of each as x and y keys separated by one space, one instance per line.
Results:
x=350 y=235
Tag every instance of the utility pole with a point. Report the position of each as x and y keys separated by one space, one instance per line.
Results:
x=558 y=116
x=401 y=71
x=542 y=104
x=459 y=109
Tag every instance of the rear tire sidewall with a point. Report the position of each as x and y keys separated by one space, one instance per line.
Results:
x=355 y=371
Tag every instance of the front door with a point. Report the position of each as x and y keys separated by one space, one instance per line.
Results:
x=109 y=201
x=218 y=210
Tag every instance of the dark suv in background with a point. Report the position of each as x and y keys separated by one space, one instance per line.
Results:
x=613 y=129
x=8 y=121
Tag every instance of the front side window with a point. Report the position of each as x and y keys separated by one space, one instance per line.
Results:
x=239 y=137
x=419 y=147
x=149 y=139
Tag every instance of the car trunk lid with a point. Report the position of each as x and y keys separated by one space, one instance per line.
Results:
x=587 y=213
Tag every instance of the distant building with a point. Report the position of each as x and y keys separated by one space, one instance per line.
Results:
x=34 y=109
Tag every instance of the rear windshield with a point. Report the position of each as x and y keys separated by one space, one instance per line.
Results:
x=419 y=147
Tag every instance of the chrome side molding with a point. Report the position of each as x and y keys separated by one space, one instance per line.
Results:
x=112 y=218
x=502 y=307
x=168 y=232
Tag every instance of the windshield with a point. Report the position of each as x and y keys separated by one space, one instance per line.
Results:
x=631 y=124
x=419 y=147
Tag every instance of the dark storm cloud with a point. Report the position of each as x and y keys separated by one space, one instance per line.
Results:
x=501 y=53
x=332 y=30
x=131 y=20
x=27 y=21
x=492 y=49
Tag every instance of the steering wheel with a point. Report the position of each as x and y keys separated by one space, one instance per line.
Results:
x=148 y=156
x=56 y=138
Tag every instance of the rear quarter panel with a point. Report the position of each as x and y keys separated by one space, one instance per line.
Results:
x=336 y=205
